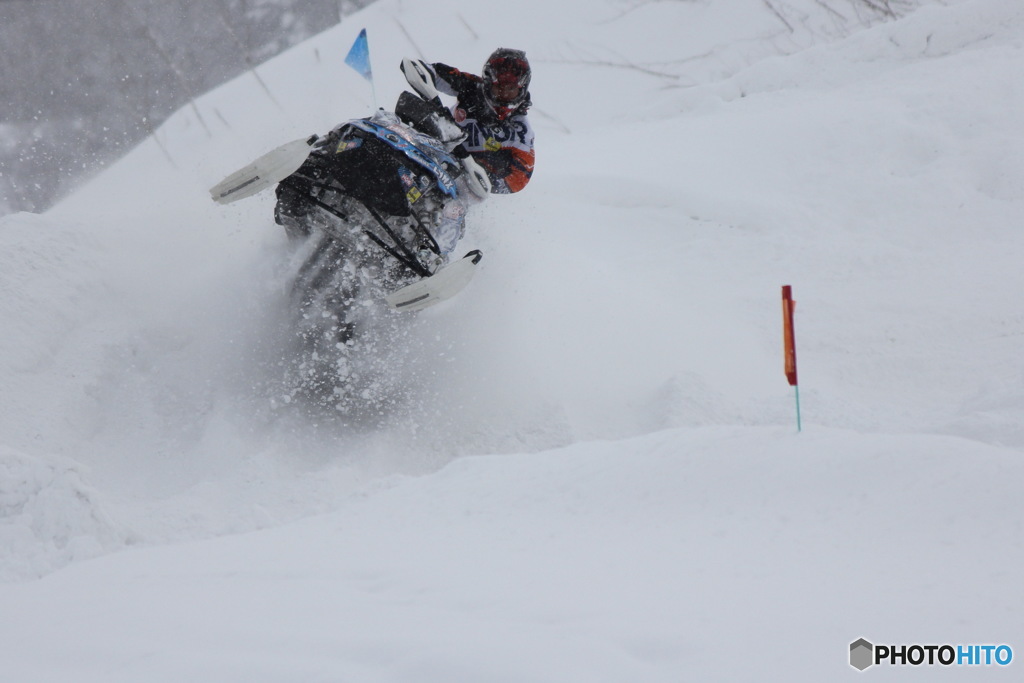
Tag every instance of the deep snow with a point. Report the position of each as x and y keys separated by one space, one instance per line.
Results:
x=595 y=472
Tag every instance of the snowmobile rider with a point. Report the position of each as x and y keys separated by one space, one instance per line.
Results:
x=491 y=109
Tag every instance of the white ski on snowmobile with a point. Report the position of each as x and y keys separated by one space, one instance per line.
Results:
x=444 y=284
x=265 y=172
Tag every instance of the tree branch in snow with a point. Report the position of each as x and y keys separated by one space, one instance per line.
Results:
x=778 y=14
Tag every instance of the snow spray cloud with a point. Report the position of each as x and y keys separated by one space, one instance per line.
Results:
x=863 y=655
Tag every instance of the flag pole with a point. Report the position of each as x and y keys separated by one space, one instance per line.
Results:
x=789 y=346
x=358 y=58
x=796 y=390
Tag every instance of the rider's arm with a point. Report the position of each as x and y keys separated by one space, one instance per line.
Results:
x=452 y=81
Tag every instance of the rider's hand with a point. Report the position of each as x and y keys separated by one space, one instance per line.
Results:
x=476 y=178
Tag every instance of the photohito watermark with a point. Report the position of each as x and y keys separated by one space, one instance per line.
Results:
x=864 y=654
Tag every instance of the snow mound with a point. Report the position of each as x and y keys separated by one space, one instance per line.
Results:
x=49 y=516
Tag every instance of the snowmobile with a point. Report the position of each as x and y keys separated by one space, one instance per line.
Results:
x=378 y=205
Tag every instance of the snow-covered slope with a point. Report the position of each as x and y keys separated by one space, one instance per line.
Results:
x=595 y=472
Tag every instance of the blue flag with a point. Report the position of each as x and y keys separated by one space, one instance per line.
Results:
x=359 y=57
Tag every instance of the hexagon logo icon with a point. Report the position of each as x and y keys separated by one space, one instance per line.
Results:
x=862 y=654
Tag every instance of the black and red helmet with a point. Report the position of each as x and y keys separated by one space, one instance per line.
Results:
x=506 y=80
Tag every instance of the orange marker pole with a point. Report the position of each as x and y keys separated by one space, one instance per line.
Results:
x=789 y=345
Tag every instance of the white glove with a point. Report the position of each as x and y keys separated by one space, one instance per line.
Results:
x=420 y=77
x=476 y=178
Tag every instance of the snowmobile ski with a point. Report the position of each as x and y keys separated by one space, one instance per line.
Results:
x=444 y=284
x=265 y=172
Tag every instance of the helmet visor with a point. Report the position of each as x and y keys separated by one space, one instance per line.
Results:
x=505 y=90
x=507 y=78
